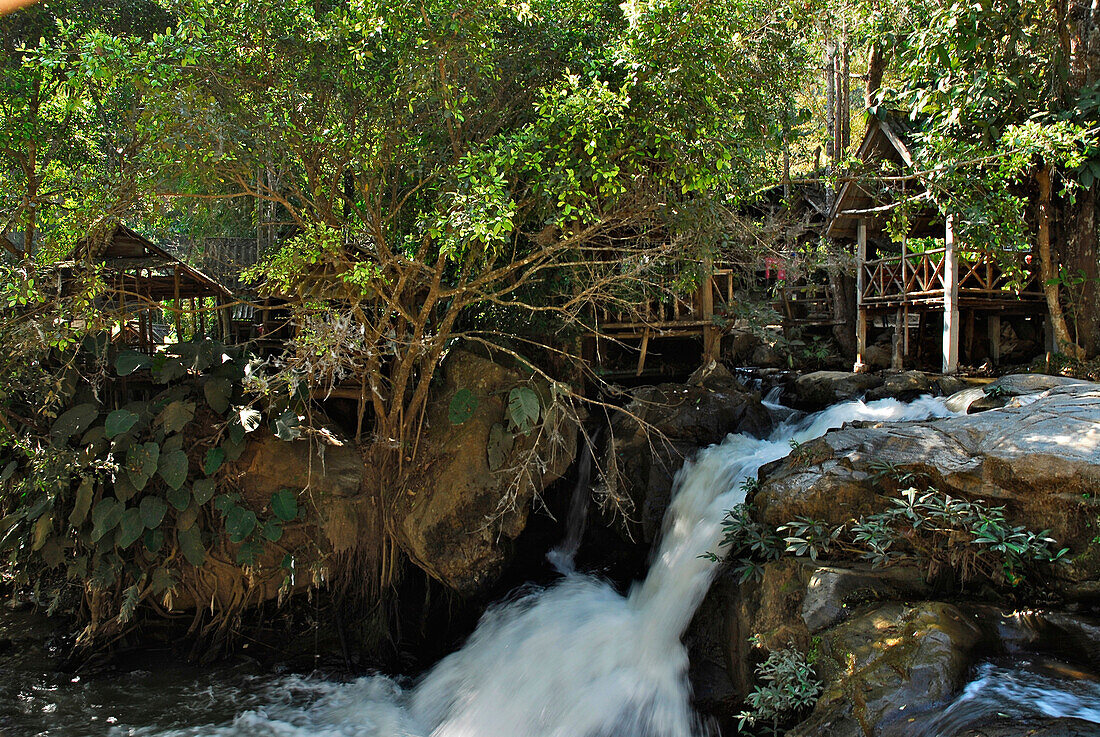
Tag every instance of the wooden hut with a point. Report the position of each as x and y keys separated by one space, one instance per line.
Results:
x=953 y=285
x=150 y=292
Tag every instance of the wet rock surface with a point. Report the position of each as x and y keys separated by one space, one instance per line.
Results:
x=893 y=659
x=459 y=523
x=1039 y=456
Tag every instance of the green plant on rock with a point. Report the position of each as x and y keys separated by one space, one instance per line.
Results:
x=786 y=686
x=747 y=542
x=109 y=506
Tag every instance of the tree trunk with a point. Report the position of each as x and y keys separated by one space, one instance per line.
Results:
x=1078 y=253
x=876 y=67
x=842 y=289
x=1048 y=274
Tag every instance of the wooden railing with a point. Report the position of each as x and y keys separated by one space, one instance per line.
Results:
x=921 y=276
x=672 y=313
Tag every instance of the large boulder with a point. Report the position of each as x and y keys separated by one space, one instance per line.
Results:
x=819 y=389
x=461 y=515
x=794 y=601
x=1039 y=457
x=658 y=430
x=886 y=665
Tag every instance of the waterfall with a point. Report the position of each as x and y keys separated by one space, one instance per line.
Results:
x=575 y=659
x=562 y=556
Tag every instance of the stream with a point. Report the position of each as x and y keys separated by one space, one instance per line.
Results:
x=573 y=659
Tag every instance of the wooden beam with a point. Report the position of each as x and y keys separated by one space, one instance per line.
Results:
x=950 y=300
x=861 y=310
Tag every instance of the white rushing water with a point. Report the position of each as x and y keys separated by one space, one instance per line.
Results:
x=576 y=659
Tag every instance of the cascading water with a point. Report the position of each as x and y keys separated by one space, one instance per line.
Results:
x=576 y=659
x=562 y=556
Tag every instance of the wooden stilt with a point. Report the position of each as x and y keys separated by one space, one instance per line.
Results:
x=897 y=360
x=950 y=301
x=642 y=353
x=993 y=328
x=861 y=311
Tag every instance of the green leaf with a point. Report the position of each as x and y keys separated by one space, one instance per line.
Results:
x=120 y=421
x=167 y=369
x=83 y=501
x=74 y=421
x=179 y=498
x=42 y=530
x=463 y=405
x=154 y=540
x=284 y=504
x=152 y=511
x=218 y=391
x=272 y=531
x=141 y=463
x=176 y=415
x=249 y=553
x=173 y=468
x=499 y=446
x=162 y=579
x=240 y=523
x=130 y=528
x=124 y=488
x=286 y=426
x=523 y=408
x=233 y=449
x=190 y=540
x=127 y=362
x=105 y=516
x=203 y=490
x=212 y=461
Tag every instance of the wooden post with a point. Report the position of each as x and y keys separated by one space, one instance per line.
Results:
x=176 y=285
x=897 y=360
x=993 y=328
x=642 y=353
x=710 y=330
x=861 y=312
x=950 y=301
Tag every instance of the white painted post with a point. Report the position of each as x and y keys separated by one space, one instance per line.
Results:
x=950 y=301
x=861 y=313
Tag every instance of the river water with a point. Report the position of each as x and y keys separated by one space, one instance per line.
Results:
x=575 y=659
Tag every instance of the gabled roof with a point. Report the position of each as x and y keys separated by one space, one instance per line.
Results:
x=887 y=139
x=126 y=249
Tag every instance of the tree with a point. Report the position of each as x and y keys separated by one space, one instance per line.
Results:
x=970 y=72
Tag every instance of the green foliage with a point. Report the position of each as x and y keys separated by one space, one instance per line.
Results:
x=462 y=407
x=524 y=408
x=786 y=686
x=131 y=500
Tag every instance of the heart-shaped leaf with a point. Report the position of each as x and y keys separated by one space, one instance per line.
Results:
x=212 y=461
x=105 y=516
x=83 y=501
x=176 y=415
x=190 y=541
x=154 y=540
x=74 y=421
x=127 y=362
x=499 y=446
x=218 y=391
x=179 y=498
x=203 y=490
x=284 y=504
x=272 y=531
x=120 y=421
x=152 y=511
x=130 y=528
x=173 y=468
x=240 y=523
x=462 y=407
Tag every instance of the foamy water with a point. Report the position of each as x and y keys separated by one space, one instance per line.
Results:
x=576 y=659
